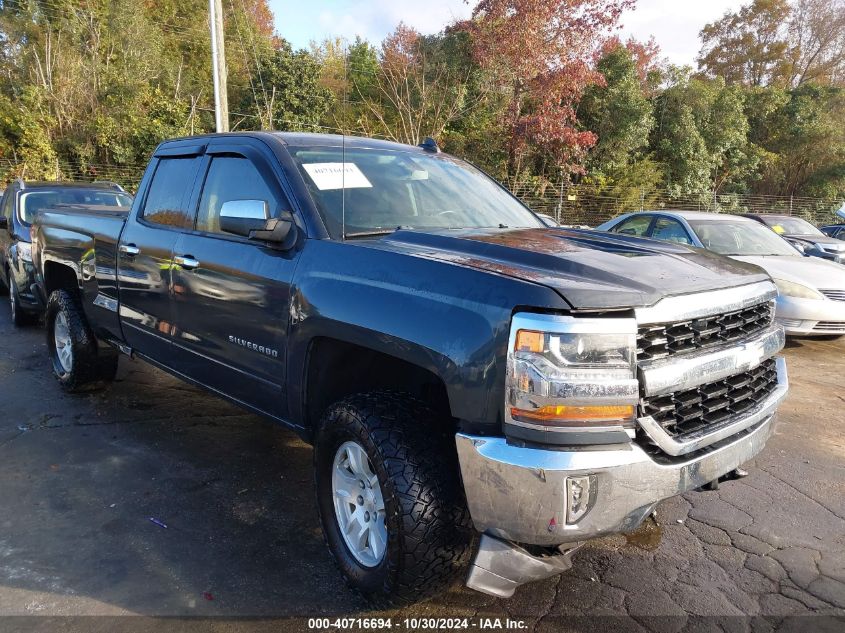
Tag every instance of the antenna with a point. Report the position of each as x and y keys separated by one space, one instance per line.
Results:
x=343 y=144
x=343 y=183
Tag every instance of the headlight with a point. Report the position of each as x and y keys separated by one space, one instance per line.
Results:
x=25 y=251
x=799 y=291
x=567 y=374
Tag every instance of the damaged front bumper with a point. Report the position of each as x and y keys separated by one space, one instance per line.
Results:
x=519 y=496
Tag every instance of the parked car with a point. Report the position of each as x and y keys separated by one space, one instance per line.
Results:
x=21 y=203
x=811 y=291
x=834 y=230
x=458 y=365
x=803 y=236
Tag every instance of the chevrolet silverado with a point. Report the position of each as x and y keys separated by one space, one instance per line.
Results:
x=483 y=393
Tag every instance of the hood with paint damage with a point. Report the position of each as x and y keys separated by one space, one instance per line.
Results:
x=591 y=270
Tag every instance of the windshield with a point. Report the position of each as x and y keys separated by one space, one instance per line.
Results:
x=740 y=237
x=791 y=226
x=34 y=201
x=380 y=190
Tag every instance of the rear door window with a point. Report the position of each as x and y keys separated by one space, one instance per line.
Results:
x=638 y=225
x=170 y=189
x=670 y=230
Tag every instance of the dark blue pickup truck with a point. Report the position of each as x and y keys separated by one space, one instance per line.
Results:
x=460 y=368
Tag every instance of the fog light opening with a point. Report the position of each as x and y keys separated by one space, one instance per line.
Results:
x=580 y=497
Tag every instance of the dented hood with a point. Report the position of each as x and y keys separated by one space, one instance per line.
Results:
x=591 y=270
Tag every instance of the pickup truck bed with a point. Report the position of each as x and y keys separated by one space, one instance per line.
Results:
x=457 y=365
x=91 y=256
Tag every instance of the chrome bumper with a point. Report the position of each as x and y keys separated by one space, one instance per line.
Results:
x=801 y=317
x=519 y=494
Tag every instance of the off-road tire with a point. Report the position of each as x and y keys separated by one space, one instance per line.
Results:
x=93 y=366
x=20 y=317
x=413 y=453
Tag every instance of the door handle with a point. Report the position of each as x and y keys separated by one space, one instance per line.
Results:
x=130 y=250
x=186 y=261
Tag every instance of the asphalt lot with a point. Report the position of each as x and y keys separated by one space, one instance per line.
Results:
x=81 y=476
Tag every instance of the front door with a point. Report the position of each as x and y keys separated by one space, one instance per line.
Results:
x=145 y=255
x=231 y=294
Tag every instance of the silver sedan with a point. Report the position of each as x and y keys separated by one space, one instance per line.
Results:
x=811 y=291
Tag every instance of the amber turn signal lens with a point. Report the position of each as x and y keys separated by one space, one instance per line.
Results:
x=563 y=413
x=530 y=341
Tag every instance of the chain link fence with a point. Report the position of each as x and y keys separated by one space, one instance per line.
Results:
x=590 y=206
x=568 y=204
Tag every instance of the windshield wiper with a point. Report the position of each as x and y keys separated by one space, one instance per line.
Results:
x=375 y=232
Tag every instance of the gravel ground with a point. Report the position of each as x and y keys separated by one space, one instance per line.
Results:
x=82 y=476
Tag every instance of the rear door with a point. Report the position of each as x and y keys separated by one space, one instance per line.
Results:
x=145 y=252
x=669 y=230
x=635 y=225
x=231 y=294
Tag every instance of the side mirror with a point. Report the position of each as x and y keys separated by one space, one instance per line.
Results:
x=241 y=217
x=4 y=222
x=798 y=246
x=280 y=231
x=251 y=219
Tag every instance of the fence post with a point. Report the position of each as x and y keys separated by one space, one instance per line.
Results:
x=560 y=199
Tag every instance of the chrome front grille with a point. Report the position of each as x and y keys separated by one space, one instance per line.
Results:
x=667 y=339
x=835 y=295
x=685 y=412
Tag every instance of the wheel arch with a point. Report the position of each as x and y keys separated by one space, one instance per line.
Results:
x=336 y=368
x=59 y=276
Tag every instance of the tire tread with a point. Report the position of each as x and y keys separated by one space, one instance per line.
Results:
x=419 y=455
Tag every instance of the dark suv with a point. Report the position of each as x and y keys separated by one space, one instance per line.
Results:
x=21 y=202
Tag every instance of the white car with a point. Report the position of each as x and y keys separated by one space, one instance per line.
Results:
x=811 y=299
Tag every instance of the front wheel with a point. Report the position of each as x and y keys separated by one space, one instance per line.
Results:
x=79 y=363
x=390 y=498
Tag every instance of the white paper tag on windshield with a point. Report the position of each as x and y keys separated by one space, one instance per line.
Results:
x=336 y=175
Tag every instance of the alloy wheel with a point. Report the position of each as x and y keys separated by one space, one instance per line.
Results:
x=359 y=504
x=63 y=343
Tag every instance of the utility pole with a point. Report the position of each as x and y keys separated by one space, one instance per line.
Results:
x=218 y=66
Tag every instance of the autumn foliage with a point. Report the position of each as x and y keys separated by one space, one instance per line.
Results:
x=539 y=52
x=533 y=91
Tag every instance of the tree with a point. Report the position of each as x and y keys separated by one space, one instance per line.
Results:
x=91 y=86
x=801 y=130
x=679 y=145
x=702 y=136
x=817 y=42
x=618 y=112
x=417 y=90
x=538 y=53
x=747 y=47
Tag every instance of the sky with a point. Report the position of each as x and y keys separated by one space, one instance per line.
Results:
x=674 y=23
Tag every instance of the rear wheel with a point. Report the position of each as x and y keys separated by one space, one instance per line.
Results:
x=79 y=362
x=390 y=498
x=20 y=317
